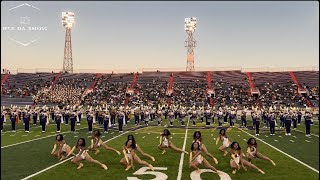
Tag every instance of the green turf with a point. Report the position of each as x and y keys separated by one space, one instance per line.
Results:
x=28 y=158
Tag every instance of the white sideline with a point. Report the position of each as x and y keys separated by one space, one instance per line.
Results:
x=182 y=154
x=32 y=175
x=305 y=132
x=283 y=152
x=33 y=140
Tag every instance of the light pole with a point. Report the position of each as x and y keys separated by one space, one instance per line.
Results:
x=190 y=42
x=68 y=22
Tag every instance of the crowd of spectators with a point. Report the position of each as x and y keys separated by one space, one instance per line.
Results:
x=71 y=91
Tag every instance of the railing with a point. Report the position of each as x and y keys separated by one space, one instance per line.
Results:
x=141 y=70
x=280 y=69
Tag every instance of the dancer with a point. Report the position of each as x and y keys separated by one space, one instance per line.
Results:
x=196 y=159
x=225 y=141
x=198 y=138
x=165 y=142
x=131 y=137
x=252 y=151
x=83 y=155
x=236 y=159
x=63 y=148
x=130 y=156
x=96 y=143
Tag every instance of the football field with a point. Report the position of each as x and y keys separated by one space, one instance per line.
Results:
x=27 y=155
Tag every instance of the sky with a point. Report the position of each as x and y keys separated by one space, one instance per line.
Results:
x=126 y=35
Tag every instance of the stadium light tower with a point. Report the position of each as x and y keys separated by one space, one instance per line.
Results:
x=190 y=43
x=68 y=22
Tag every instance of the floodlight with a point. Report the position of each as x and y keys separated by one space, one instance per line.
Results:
x=190 y=24
x=67 y=19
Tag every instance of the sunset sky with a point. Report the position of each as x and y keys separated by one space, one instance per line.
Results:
x=123 y=35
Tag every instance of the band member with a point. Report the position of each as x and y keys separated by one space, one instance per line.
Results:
x=166 y=143
x=63 y=115
x=171 y=117
x=58 y=119
x=207 y=115
x=100 y=118
x=96 y=143
x=153 y=114
x=137 y=116
x=43 y=121
x=3 y=119
x=256 y=117
x=265 y=119
x=220 y=117
x=130 y=156
x=225 y=141
x=67 y=116
x=201 y=114
x=106 y=121
x=307 y=120
x=294 y=120
x=236 y=159
x=79 y=116
x=159 y=117
x=147 y=117
x=142 y=116
x=194 y=117
x=52 y=113
x=225 y=115
x=252 y=151
x=14 y=118
x=113 y=116
x=26 y=120
x=121 y=120
x=213 y=114
x=90 y=121
x=73 y=119
x=60 y=148
x=282 y=118
x=35 y=117
x=183 y=117
x=253 y=120
x=165 y=112
x=232 y=117
x=127 y=117
x=196 y=159
x=244 y=119
x=83 y=155
x=299 y=116
x=176 y=113
x=288 y=121
x=198 y=138
x=272 y=119
x=131 y=137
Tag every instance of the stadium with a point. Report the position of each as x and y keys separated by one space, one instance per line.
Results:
x=147 y=122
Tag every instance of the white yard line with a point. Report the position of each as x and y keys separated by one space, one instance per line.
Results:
x=283 y=153
x=33 y=140
x=182 y=154
x=305 y=132
x=19 y=130
x=50 y=167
